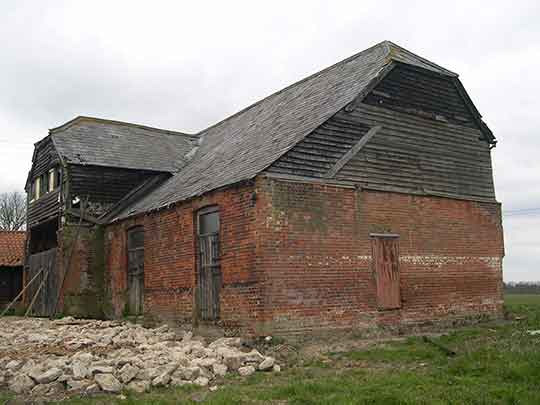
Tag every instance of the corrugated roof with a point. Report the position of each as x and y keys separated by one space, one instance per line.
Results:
x=12 y=248
x=246 y=143
x=95 y=141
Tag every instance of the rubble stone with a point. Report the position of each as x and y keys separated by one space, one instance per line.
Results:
x=253 y=357
x=92 y=389
x=138 y=386
x=42 y=390
x=14 y=365
x=245 y=371
x=201 y=381
x=127 y=373
x=78 y=385
x=161 y=380
x=48 y=376
x=80 y=370
x=21 y=384
x=108 y=382
x=190 y=373
x=98 y=369
x=267 y=364
x=80 y=360
x=219 y=369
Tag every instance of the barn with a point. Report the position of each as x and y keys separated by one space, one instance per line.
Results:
x=11 y=265
x=359 y=197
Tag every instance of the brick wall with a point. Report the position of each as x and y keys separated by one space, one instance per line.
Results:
x=316 y=254
x=170 y=260
x=297 y=258
x=84 y=280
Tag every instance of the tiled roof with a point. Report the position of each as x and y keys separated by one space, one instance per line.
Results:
x=12 y=248
x=243 y=145
x=100 y=142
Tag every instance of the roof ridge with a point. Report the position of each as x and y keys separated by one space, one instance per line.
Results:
x=343 y=61
x=390 y=45
x=11 y=231
x=78 y=118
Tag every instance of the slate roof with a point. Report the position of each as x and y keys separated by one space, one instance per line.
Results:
x=243 y=145
x=95 y=141
x=12 y=248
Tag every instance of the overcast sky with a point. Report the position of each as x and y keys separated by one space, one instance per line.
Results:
x=185 y=65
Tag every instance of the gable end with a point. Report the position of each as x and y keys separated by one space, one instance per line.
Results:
x=417 y=91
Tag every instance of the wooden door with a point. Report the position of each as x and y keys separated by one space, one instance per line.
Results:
x=46 y=286
x=385 y=254
x=135 y=270
x=209 y=270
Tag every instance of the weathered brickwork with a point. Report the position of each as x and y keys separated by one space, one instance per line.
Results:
x=316 y=256
x=296 y=258
x=82 y=293
x=170 y=260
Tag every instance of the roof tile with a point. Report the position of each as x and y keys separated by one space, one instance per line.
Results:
x=12 y=248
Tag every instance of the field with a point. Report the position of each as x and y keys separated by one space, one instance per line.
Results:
x=494 y=364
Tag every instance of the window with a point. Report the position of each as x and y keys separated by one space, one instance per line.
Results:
x=209 y=270
x=52 y=180
x=44 y=184
x=37 y=188
x=32 y=194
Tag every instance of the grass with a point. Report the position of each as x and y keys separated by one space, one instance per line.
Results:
x=494 y=364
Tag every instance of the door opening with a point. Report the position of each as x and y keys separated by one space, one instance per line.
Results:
x=135 y=270
x=209 y=270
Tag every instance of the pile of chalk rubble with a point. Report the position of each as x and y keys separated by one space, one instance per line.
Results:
x=39 y=357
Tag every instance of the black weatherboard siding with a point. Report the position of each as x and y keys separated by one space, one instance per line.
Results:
x=45 y=157
x=43 y=209
x=104 y=186
x=428 y=141
x=419 y=154
x=317 y=153
x=418 y=91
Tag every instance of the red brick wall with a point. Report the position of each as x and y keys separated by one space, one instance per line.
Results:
x=298 y=258
x=83 y=279
x=170 y=259
x=316 y=254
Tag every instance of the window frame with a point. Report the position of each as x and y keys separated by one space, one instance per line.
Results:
x=37 y=188
x=51 y=183
x=205 y=211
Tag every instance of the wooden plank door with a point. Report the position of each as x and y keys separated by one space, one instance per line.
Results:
x=45 y=300
x=209 y=269
x=135 y=270
x=385 y=254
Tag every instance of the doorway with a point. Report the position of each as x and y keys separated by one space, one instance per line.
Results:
x=209 y=270
x=135 y=270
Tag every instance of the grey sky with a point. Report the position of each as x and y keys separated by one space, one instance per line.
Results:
x=185 y=65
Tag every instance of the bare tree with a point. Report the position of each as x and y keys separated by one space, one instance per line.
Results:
x=12 y=211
